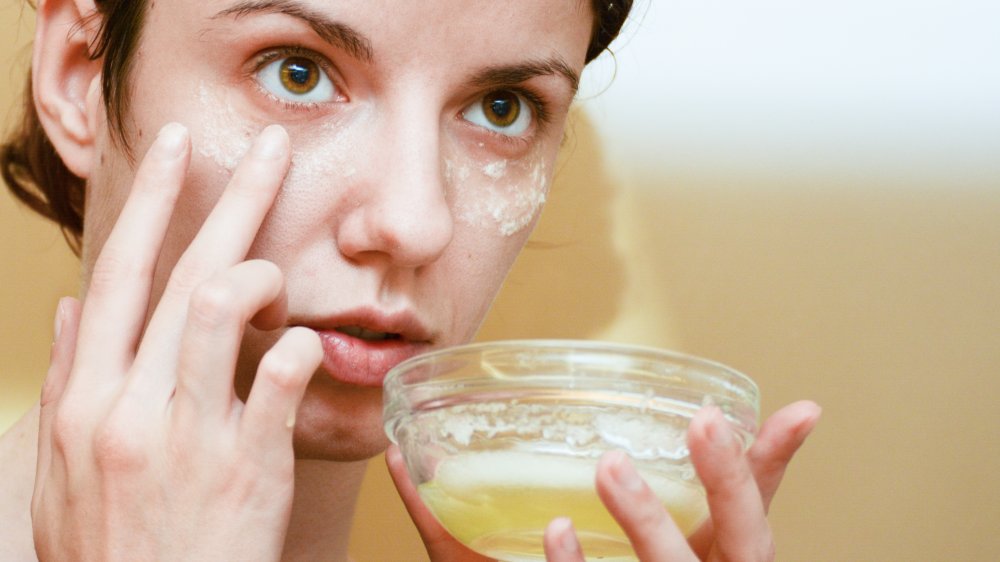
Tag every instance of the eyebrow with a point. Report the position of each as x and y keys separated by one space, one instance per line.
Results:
x=518 y=73
x=333 y=32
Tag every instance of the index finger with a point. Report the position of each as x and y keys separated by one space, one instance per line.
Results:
x=222 y=241
x=779 y=439
x=117 y=294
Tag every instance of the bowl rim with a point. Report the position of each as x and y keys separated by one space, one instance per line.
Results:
x=395 y=391
x=585 y=345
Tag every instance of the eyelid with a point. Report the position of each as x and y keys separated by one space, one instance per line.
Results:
x=540 y=107
x=269 y=55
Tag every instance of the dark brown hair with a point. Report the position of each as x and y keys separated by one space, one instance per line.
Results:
x=33 y=170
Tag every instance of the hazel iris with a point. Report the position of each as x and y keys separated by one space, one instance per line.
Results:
x=501 y=108
x=299 y=75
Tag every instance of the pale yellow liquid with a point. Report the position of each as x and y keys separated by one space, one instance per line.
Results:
x=499 y=503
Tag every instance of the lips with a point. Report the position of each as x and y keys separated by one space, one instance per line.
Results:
x=359 y=348
x=363 y=333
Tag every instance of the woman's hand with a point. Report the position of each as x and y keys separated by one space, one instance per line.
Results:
x=145 y=452
x=441 y=546
x=739 y=489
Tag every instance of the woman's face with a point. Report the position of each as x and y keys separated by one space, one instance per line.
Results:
x=423 y=141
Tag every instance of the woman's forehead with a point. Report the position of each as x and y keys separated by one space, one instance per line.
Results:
x=382 y=19
x=441 y=36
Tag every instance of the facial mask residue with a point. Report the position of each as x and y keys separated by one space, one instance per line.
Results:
x=506 y=194
x=226 y=137
x=502 y=194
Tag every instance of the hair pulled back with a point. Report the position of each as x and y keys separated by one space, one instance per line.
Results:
x=33 y=170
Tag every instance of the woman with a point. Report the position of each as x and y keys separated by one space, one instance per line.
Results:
x=282 y=199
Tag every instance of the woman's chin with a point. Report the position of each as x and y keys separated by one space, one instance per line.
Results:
x=339 y=423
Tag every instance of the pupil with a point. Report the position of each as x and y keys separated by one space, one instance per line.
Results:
x=298 y=73
x=502 y=107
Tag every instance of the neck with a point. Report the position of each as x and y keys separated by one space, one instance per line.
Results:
x=18 y=447
x=323 y=510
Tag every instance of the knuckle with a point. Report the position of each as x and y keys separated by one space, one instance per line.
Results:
x=214 y=303
x=67 y=427
x=188 y=274
x=732 y=484
x=110 y=270
x=282 y=370
x=649 y=513
x=117 y=446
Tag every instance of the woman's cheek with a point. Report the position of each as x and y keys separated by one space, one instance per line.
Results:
x=504 y=196
x=318 y=156
x=224 y=136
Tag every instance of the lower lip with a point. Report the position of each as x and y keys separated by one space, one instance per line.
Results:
x=361 y=362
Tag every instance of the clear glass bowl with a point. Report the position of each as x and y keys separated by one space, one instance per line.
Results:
x=502 y=437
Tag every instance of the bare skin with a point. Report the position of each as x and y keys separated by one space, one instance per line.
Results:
x=216 y=391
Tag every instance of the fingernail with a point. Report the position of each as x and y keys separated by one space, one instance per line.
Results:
x=567 y=536
x=57 y=327
x=718 y=431
x=271 y=144
x=290 y=420
x=171 y=140
x=624 y=473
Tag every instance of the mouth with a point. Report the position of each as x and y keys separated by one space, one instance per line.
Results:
x=360 y=348
x=365 y=334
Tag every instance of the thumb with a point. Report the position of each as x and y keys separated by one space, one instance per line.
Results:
x=441 y=546
x=60 y=363
x=67 y=322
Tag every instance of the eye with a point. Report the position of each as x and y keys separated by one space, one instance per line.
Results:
x=501 y=111
x=297 y=79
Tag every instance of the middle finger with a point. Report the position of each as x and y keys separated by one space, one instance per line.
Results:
x=634 y=505
x=223 y=240
x=734 y=500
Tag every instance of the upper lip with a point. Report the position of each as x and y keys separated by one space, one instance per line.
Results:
x=401 y=324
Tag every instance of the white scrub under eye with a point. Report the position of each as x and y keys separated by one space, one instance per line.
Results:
x=505 y=195
x=226 y=136
x=500 y=195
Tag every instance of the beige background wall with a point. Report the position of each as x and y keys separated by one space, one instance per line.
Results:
x=816 y=203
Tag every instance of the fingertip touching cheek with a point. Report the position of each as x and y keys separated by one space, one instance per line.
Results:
x=320 y=154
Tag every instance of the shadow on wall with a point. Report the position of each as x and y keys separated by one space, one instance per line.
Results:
x=568 y=281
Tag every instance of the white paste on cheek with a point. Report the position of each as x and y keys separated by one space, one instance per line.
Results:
x=505 y=194
x=495 y=170
x=502 y=194
x=320 y=157
x=226 y=137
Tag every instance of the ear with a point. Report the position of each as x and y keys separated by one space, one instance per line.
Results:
x=66 y=83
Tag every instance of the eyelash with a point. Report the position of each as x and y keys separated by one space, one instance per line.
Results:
x=539 y=107
x=540 y=113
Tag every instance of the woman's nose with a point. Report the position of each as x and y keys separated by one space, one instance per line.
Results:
x=400 y=210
